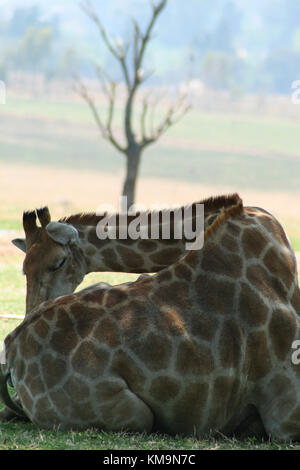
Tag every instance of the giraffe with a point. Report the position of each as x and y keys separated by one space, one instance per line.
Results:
x=59 y=254
x=201 y=347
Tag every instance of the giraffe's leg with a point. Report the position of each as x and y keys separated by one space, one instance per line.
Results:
x=127 y=412
x=251 y=425
x=115 y=409
x=280 y=412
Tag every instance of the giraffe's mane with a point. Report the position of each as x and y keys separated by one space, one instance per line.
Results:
x=210 y=205
x=226 y=213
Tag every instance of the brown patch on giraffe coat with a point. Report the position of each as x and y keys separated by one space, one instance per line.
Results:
x=274 y=228
x=193 y=359
x=215 y=296
x=166 y=257
x=50 y=313
x=140 y=288
x=83 y=412
x=281 y=266
x=131 y=318
x=156 y=269
x=251 y=308
x=115 y=296
x=225 y=396
x=193 y=261
x=231 y=344
x=147 y=246
x=182 y=271
x=107 y=389
x=107 y=333
x=25 y=398
x=176 y=294
x=171 y=322
x=253 y=242
x=258 y=360
x=164 y=388
x=20 y=368
x=33 y=380
x=283 y=395
x=155 y=350
x=230 y=243
x=90 y=360
x=130 y=258
x=76 y=389
x=126 y=367
x=269 y=285
x=111 y=260
x=282 y=329
x=217 y=261
x=165 y=275
x=97 y=297
x=41 y=328
x=61 y=401
x=29 y=347
x=85 y=318
x=203 y=326
x=188 y=410
x=63 y=341
x=53 y=370
x=45 y=415
x=124 y=409
x=64 y=300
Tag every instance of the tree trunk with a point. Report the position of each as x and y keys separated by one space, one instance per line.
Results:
x=133 y=157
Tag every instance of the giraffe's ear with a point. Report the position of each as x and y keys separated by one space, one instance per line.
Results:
x=20 y=243
x=62 y=233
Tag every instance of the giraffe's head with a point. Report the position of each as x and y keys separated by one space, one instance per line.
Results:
x=53 y=264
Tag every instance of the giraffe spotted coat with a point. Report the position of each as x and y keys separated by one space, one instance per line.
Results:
x=202 y=346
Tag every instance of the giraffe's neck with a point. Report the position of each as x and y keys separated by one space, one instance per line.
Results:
x=144 y=255
x=130 y=256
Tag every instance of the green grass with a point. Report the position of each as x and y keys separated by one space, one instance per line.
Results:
x=274 y=134
x=296 y=243
x=65 y=135
x=26 y=436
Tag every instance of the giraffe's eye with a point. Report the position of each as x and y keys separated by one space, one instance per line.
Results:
x=59 y=264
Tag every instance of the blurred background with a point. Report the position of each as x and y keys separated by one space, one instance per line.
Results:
x=234 y=61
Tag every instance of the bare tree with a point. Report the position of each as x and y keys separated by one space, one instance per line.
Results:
x=130 y=57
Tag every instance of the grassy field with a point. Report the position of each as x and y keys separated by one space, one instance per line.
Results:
x=51 y=153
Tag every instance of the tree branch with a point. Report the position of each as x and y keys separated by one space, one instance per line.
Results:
x=144 y=39
x=174 y=115
x=117 y=51
x=106 y=131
